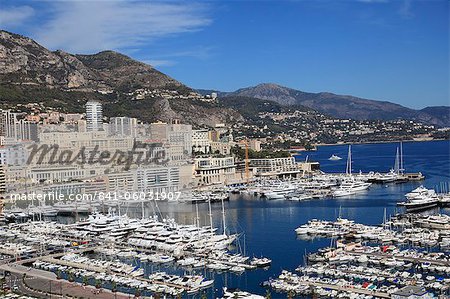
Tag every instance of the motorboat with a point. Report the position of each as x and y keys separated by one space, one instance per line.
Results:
x=232 y=294
x=334 y=158
x=350 y=187
x=420 y=203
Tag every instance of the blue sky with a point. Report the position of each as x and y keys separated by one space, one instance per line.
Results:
x=379 y=49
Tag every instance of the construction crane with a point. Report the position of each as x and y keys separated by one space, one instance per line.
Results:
x=247 y=170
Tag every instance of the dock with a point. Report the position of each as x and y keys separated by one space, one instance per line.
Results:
x=349 y=289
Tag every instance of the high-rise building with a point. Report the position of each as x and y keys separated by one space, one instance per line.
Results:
x=94 y=116
x=13 y=128
x=177 y=136
x=8 y=121
x=123 y=126
x=2 y=125
x=2 y=187
x=26 y=130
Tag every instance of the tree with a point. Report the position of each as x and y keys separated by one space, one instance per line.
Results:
x=114 y=286
x=98 y=283
x=268 y=295
x=85 y=280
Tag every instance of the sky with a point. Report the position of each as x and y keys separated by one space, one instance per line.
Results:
x=392 y=50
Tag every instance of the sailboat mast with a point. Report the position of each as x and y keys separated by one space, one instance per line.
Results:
x=223 y=219
x=348 y=170
x=197 y=217
x=401 y=157
x=397 y=163
x=210 y=215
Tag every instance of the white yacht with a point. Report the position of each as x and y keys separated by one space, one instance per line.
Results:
x=419 y=192
x=273 y=195
x=232 y=294
x=334 y=158
x=350 y=187
x=420 y=203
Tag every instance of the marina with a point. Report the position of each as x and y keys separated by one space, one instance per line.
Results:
x=364 y=245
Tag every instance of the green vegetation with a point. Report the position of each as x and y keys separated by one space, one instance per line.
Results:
x=250 y=107
x=264 y=154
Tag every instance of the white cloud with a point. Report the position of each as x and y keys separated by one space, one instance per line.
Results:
x=159 y=62
x=91 y=26
x=14 y=16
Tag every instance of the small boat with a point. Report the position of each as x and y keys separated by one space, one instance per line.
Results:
x=334 y=158
x=230 y=293
x=261 y=262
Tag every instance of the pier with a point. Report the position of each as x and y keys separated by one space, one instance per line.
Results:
x=349 y=289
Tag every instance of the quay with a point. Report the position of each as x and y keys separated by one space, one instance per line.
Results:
x=349 y=289
x=202 y=256
x=413 y=260
x=98 y=269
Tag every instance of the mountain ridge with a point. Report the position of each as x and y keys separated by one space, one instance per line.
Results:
x=344 y=106
x=29 y=72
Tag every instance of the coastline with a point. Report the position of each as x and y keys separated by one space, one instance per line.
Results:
x=382 y=142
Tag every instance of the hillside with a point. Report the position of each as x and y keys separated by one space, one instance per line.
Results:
x=31 y=73
x=343 y=106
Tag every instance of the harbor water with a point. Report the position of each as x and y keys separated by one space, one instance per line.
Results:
x=267 y=226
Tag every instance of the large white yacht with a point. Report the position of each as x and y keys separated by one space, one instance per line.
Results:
x=420 y=199
x=350 y=187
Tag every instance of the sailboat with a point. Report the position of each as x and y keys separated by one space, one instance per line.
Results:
x=395 y=174
x=350 y=185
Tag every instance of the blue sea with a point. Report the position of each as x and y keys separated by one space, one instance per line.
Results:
x=268 y=226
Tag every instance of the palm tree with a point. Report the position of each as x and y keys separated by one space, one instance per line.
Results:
x=71 y=277
x=58 y=274
x=114 y=287
x=204 y=296
x=85 y=280
x=137 y=293
x=268 y=295
x=98 y=283
x=290 y=294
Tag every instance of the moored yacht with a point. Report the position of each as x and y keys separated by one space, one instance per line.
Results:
x=350 y=187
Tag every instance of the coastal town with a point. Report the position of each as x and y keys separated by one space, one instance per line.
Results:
x=93 y=170
x=224 y=149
